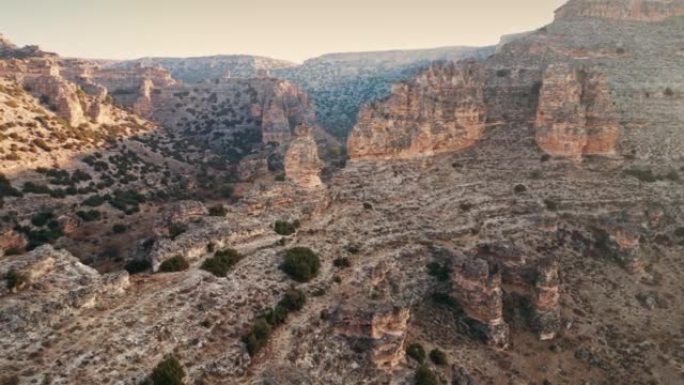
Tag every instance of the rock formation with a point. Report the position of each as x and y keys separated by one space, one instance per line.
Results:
x=178 y=215
x=477 y=288
x=575 y=115
x=441 y=110
x=53 y=285
x=381 y=327
x=302 y=164
x=637 y=10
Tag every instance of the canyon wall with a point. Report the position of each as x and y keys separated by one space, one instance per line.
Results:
x=441 y=110
x=633 y=10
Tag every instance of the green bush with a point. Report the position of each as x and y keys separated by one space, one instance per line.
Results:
x=41 y=219
x=294 y=300
x=284 y=228
x=257 y=336
x=520 y=188
x=342 y=263
x=168 y=372
x=301 y=264
x=177 y=263
x=551 y=204
x=425 y=376
x=218 y=211
x=14 y=279
x=222 y=262
x=416 y=351
x=119 y=228
x=439 y=271
x=94 y=201
x=137 y=266
x=438 y=357
x=89 y=216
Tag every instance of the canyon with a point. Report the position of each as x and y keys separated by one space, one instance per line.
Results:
x=515 y=213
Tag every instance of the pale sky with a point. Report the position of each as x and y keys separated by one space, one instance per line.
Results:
x=285 y=29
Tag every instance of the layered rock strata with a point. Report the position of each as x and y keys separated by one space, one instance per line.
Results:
x=633 y=10
x=477 y=288
x=302 y=164
x=441 y=110
x=575 y=115
x=383 y=328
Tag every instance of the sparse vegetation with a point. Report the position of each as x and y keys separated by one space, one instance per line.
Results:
x=168 y=372
x=119 y=228
x=342 y=263
x=416 y=351
x=137 y=266
x=257 y=337
x=441 y=271
x=218 y=211
x=438 y=357
x=41 y=219
x=14 y=279
x=284 y=228
x=222 y=262
x=94 y=201
x=176 y=229
x=301 y=264
x=520 y=189
x=89 y=215
x=668 y=92
x=174 y=264
x=425 y=376
x=551 y=204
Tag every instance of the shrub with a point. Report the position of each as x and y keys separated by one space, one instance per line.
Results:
x=424 y=376
x=174 y=264
x=14 y=279
x=227 y=190
x=679 y=232
x=668 y=92
x=284 y=228
x=520 y=188
x=41 y=219
x=438 y=357
x=119 y=228
x=439 y=271
x=168 y=372
x=416 y=351
x=551 y=204
x=294 y=300
x=644 y=175
x=137 y=266
x=301 y=264
x=257 y=336
x=342 y=263
x=94 y=201
x=89 y=216
x=218 y=211
x=222 y=262
x=545 y=158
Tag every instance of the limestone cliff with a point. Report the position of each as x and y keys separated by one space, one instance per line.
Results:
x=441 y=110
x=575 y=114
x=636 y=10
x=302 y=164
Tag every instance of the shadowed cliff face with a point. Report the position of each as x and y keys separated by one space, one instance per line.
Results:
x=442 y=109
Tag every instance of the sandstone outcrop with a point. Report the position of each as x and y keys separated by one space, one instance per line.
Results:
x=441 y=110
x=477 y=288
x=636 y=10
x=536 y=280
x=381 y=327
x=302 y=164
x=575 y=115
x=54 y=285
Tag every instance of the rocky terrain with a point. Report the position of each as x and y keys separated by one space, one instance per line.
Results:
x=514 y=220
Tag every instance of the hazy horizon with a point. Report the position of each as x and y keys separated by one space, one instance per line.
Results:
x=293 y=31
